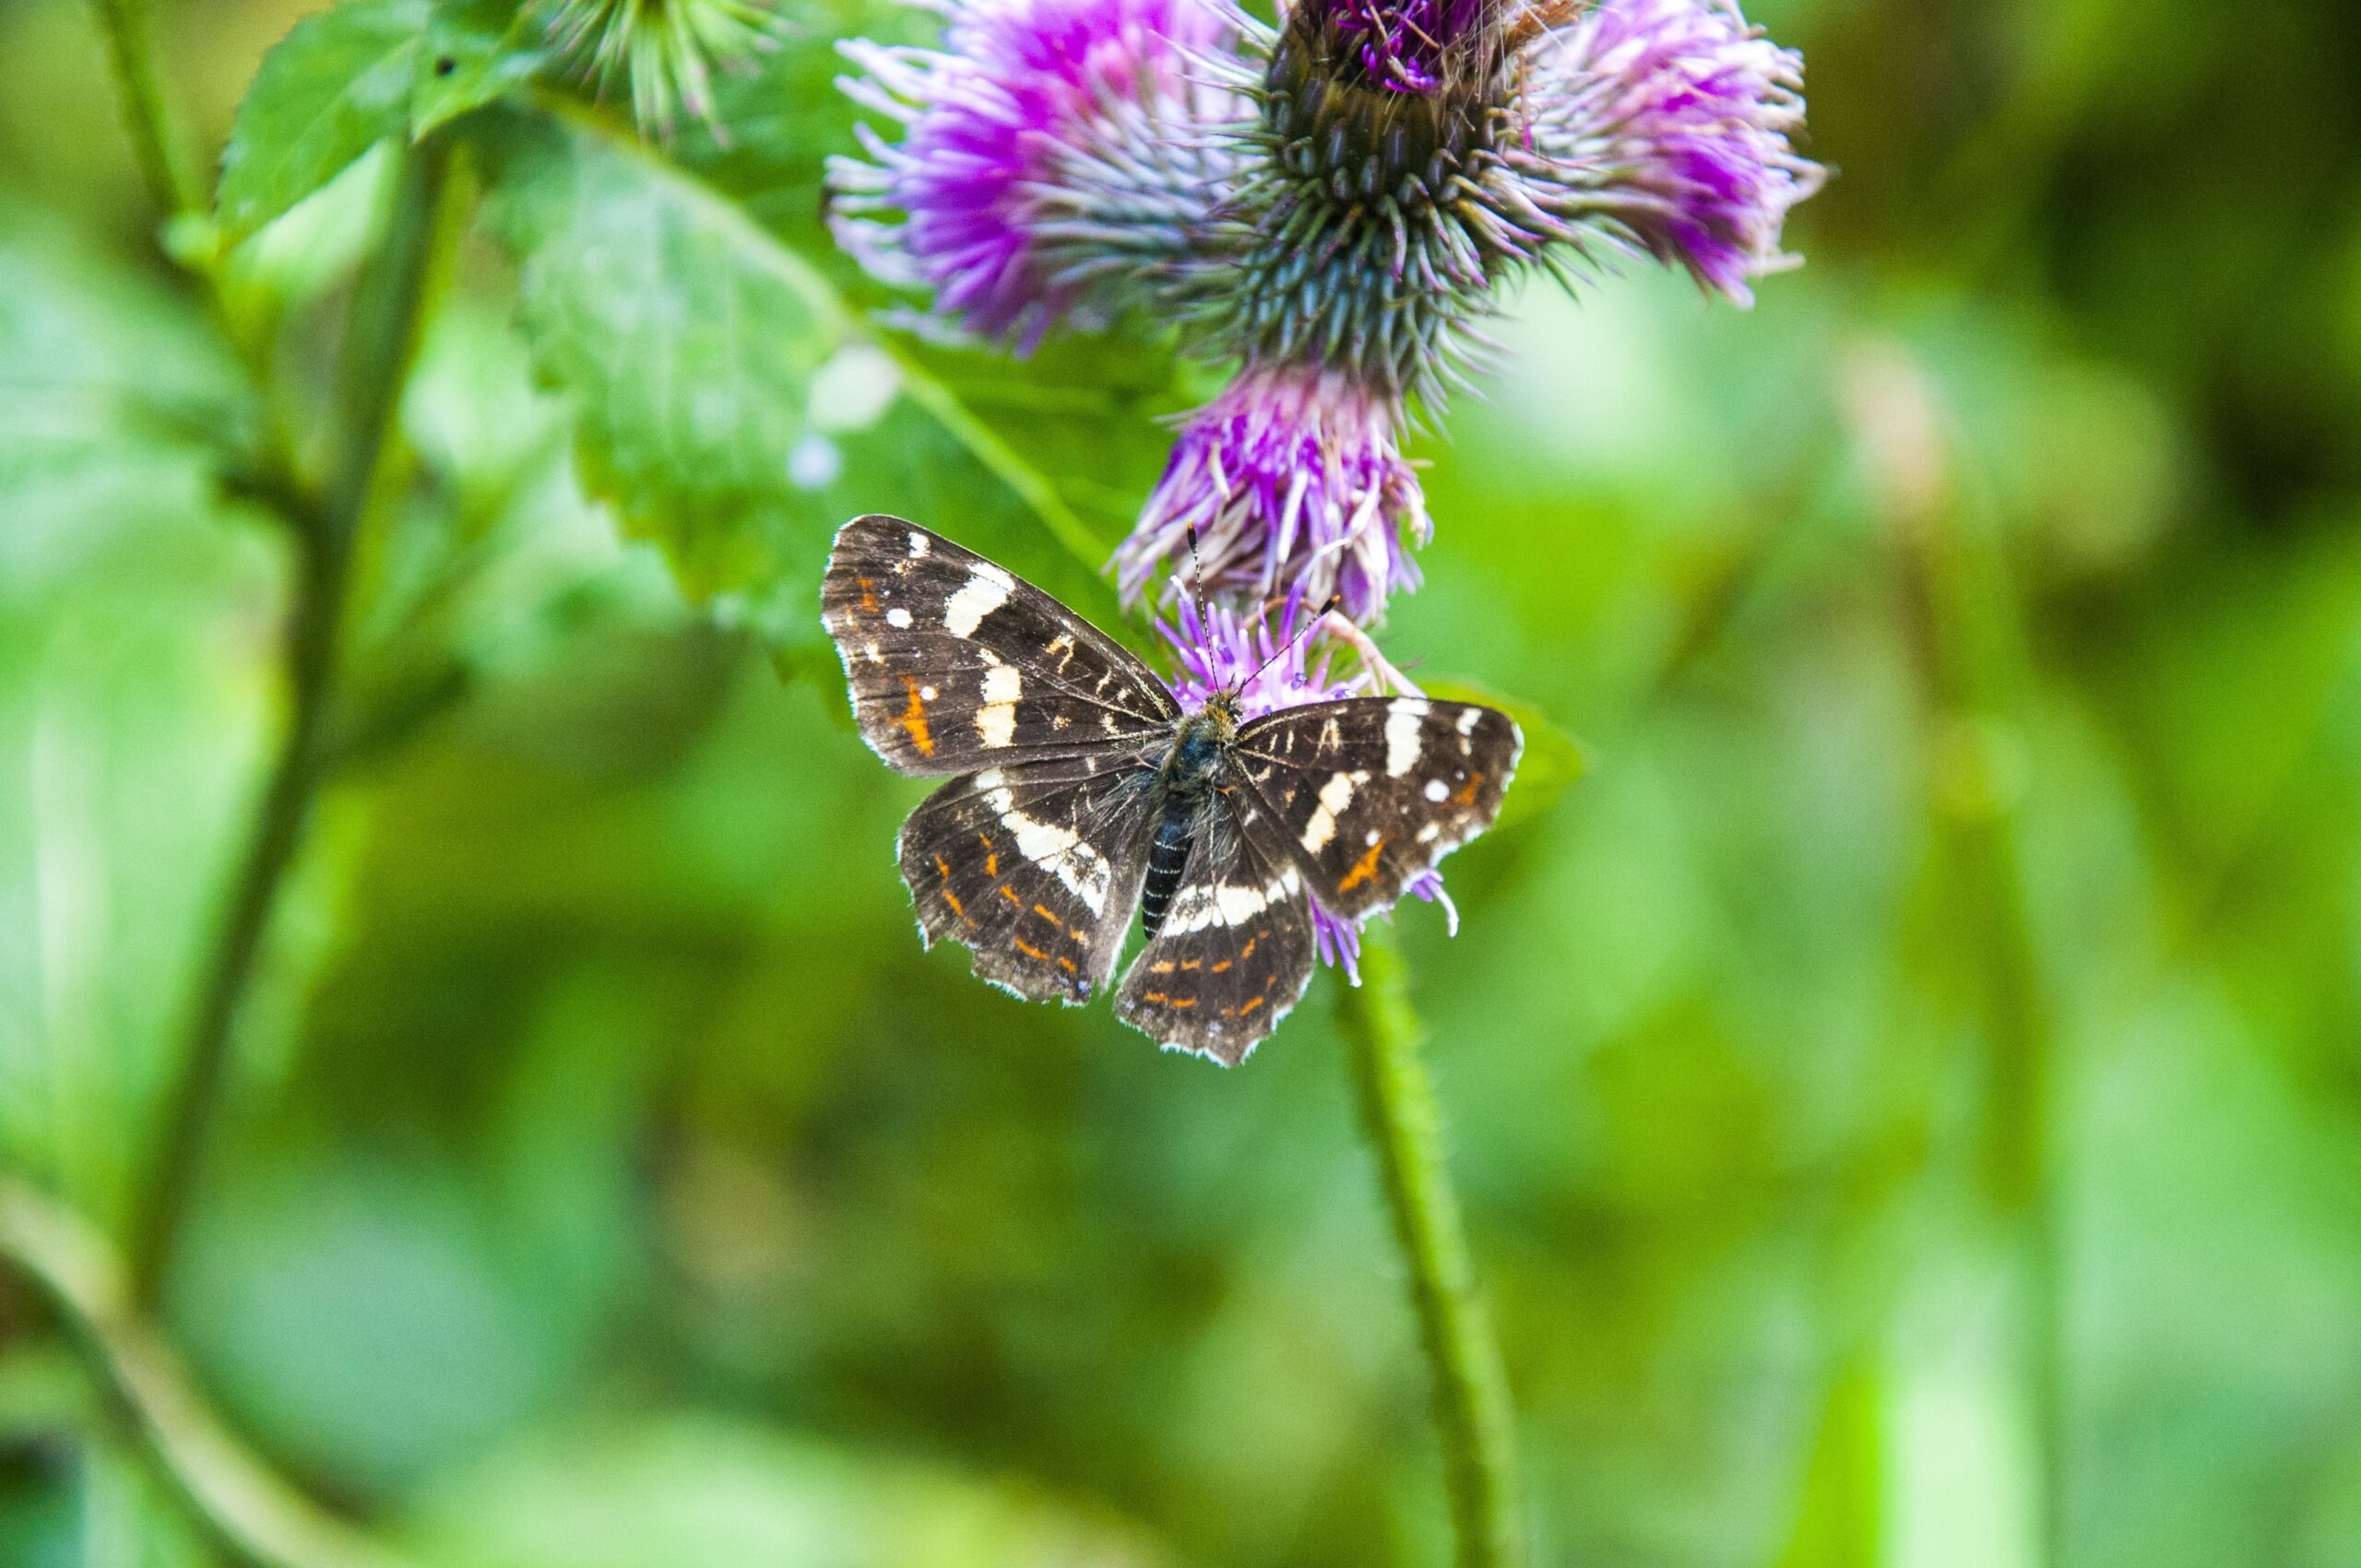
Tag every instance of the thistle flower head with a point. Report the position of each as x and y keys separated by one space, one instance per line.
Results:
x=1271 y=666
x=1673 y=119
x=1053 y=156
x=1294 y=484
x=666 y=49
x=1407 y=157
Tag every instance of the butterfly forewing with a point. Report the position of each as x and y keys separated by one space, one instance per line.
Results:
x=956 y=663
x=1036 y=867
x=1234 y=953
x=1370 y=791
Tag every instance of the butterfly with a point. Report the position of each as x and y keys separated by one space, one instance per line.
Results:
x=1081 y=791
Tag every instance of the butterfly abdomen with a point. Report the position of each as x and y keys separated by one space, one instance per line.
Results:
x=1168 y=853
x=1190 y=773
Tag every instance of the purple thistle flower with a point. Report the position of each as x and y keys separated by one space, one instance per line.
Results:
x=1269 y=665
x=1054 y=159
x=1407 y=40
x=1294 y=484
x=1672 y=118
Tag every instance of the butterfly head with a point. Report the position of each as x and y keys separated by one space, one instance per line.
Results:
x=1201 y=746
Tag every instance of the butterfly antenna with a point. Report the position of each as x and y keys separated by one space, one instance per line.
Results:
x=1310 y=625
x=1196 y=576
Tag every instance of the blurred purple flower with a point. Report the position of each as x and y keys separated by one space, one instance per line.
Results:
x=1294 y=484
x=1673 y=119
x=1269 y=665
x=1053 y=157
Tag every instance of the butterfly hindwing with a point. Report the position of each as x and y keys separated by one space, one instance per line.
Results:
x=957 y=664
x=1371 y=791
x=1234 y=953
x=1035 y=867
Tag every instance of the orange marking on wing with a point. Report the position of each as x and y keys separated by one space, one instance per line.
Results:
x=1180 y=1003
x=1010 y=893
x=1153 y=996
x=1067 y=965
x=942 y=871
x=1048 y=916
x=1193 y=963
x=1163 y=969
x=1468 y=797
x=914 y=719
x=868 y=599
x=1030 y=951
x=1248 y=951
x=1363 y=869
x=1223 y=965
x=1249 y=1007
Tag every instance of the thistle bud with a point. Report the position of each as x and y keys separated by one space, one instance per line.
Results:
x=665 y=49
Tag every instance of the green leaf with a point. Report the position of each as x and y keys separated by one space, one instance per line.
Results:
x=122 y=410
x=476 y=51
x=686 y=1490
x=332 y=89
x=122 y=569
x=729 y=405
x=1552 y=760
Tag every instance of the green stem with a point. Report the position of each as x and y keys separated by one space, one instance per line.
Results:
x=381 y=340
x=132 y=54
x=1405 y=1129
x=277 y=481
x=258 y=1517
x=1963 y=618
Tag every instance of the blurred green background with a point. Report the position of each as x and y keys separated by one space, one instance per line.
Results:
x=1907 y=1094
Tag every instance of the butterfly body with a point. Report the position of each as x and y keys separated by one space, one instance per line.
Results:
x=1080 y=790
x=1192 y=772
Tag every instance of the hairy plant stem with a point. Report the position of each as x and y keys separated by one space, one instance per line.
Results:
x=1404 y=1126
x=381 y=339
x=256 y=1517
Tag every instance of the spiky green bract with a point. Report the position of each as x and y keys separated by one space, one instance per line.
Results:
x=666 y=50
x=1366 y=228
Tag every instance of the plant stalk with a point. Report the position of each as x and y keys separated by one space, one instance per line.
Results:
x=253 y=1515
x=381 y=340
x=1960 y=611
x=1404 y=1124
x=131 y=52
